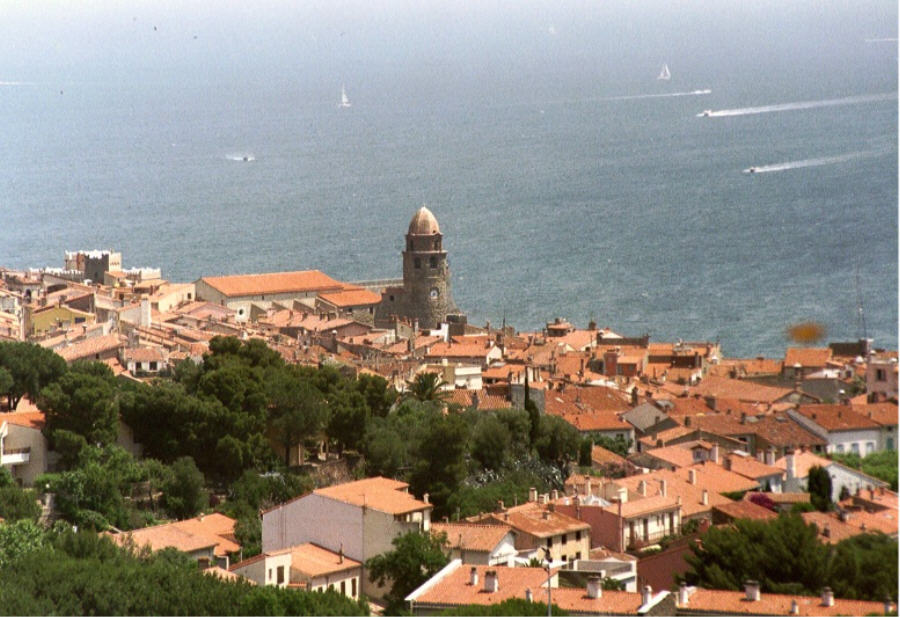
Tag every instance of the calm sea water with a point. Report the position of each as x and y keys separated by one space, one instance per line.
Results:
x=561 y=187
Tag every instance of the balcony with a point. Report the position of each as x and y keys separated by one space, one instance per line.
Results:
x=15 y=456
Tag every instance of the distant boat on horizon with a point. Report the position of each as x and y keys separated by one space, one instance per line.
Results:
x=345 y=100
x=664 y=73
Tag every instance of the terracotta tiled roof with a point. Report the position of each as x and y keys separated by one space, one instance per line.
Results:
x=676 y=486
x=458 y=350
x=751 y=468
x=382 y=494
x=28 y=419
x=212 y=530
x=745 y=367
x=716 y=478
x=781 y=430
x=273 y=283
x=809 y=357
x=837 y=417
x=725 y=388
x=640 y=506
x=472 y=537
x=602 y=456
x=884 y=414
x=312 y=560
x=676 y=455
x=745 y=509
x=832 y=529
x=803 y=462
x=89 y=347
x=351 y=296
x=455 y=589
x=531 y=520
x=144 y=354
x=735 y=603
x=225 y=575
x=576 y=601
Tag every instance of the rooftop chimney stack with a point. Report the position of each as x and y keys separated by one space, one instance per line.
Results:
x=704 y=499
x=554 y=494
x=473 y=576
x=683 y=595
x=529 y=596
x=770 y=457
x=646 y=594
x=827 y=596
x=751 y=589
x=594 y=587
x=790 y=464
x=425 y=498
x=714 y=454
x=663 y=487
x=642 y=488
x=795 y=608
x=532 y=494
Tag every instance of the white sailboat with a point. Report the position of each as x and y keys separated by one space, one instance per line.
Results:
x=345 y=100
x=664 y=73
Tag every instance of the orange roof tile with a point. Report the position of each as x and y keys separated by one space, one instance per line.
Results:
x=884 y=414
x=89 y=347
x=382 y=494
x=471 y=536
x=313 y=560
x=351 y=296
x=723 y=387
x=746 y=510
x=736 y=603
x=28 y=419
x=577 y=601
x=273 y=283
x=837 y=417
x=537 y=522
x=809 y=357
x=455 y=589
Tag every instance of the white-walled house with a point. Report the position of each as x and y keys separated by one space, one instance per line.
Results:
x=307 y=566
x=488 y=545
x=23 y=447
x=845 y=430
x=358 y=518
x=798 y=464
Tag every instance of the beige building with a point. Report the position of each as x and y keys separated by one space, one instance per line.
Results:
x=546 y=531
x=23 y=447
x=242 y=291
x=307 y=566
x=359 y=518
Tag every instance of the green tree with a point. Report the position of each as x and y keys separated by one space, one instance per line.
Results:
x=183 y=493
x=385 y=451
x=440 y=464
x=32 y=368
x=7 y=383
x=865 y=567
x=819 y=487
x=584 y=452
x=348 y=414
x=377 y=392
x=83 y=401
x=491 y=442
x=417 y=556
x=19 y=538
x=296 y=408
x=558 y=441
x=426 y=387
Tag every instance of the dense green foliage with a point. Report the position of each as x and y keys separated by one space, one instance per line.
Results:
x=426 y=387
x=417 y=556
x=785 y=556
x=881 y=465
x=83 y=402
x=514 y=606
x=16 y=503
x=66 y=573
x=27 y=368
x=819 y=487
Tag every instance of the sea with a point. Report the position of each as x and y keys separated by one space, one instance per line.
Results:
x=567 y=179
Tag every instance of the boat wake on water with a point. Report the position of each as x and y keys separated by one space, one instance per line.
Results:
x=765 y=109
x=630 y=97
x=240 y=157
x=825 y=160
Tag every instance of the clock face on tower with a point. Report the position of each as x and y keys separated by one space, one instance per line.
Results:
x=434 y=293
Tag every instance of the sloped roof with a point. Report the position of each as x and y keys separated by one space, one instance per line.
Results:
x=471 y=536
x=735 y=603
x=301 y=281
x=837 y=417
x=382 y=494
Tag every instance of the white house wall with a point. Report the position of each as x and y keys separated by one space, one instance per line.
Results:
x=317 y=519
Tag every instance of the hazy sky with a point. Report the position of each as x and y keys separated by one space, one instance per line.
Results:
x=272 y=40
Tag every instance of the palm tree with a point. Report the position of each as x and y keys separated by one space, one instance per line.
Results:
x=426 y=387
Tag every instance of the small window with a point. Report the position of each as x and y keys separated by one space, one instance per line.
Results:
x=549 y=542
x=331 y=587
x=577 y=536
x=343 y=588
x=870 y=448
x=432 y=262
x=854 y=448
x=270 y=574
x=417 y=263
x=578 y=555
x=880 y=374
x=565 y=538
x=353 y=587
x=153 y=366
x=279 y=575
x=391 y=298
x=436 y=244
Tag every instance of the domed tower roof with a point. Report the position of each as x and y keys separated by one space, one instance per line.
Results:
x=423 y=223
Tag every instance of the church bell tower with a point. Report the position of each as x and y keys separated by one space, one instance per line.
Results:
x=426 y=274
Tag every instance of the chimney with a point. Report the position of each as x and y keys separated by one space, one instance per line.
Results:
x=587 y=486
x=687 y=421
x=662 y=487
x=500 y=507
x=692 y=476
x=532 y=494
x=622 y=492
x=743 y=417
x=751 y=589
x=790 y=464
x=551 y=507
x=646 y=594
x=827 y=596
x=529 y=596
x=542 y=499
x=683 y=595
x=795 y=608
x=642 y=488
x=425 y=498
x=826 y=531
x=888 y=606
x=545 y=515
x=770 y=457
x=714 y=453
x=726 y=462
x=705 y=498
x=341 y=554
x=554 y=494
x=594 y=587
x=473 y=576
x=491 y=582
